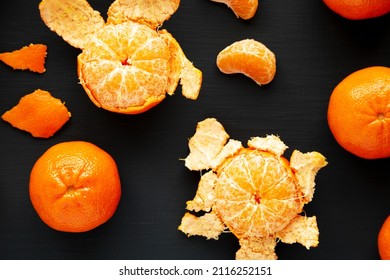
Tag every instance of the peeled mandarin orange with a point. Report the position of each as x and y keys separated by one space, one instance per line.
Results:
x=245 y=9
x=128 y=64
x=254 y=192
x=75 y=186
x=38 y=113
x=125 y=68
x=31 y=57
x=359 y=112
x=359 y=9
x=248 y=57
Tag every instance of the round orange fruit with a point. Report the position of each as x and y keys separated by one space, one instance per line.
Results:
x=359 y=9
x=75 y=186
x=359 y=113
x=384 y=240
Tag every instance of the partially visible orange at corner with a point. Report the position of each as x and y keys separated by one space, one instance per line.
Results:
x=359 y=9
x=384 y=240
x=75 y=186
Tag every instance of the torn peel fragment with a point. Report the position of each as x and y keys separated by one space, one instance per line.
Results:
x=38 y=113
x=31 y=57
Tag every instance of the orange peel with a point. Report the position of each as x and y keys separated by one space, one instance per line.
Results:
x=31 y=57
x=38 y=113
x=254 y=192
x=128 y=64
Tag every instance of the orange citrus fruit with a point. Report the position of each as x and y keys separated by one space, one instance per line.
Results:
x=245 y=9
x=122 y=73
x=39 y=113
x=384 y=240
x=248 y=57
x=75 y=186
x=359 y=112
x=31 y=57
x=359 y=9
x=257 y=193
x=128 y=64
x=254 y=192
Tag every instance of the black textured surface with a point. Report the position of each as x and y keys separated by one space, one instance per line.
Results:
x=315 y=49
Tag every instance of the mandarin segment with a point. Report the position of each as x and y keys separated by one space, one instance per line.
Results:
x=245 y=9
x=248 y=57
x=31 y=57
x=148 y=12
x=254 y=191
x=38 y=113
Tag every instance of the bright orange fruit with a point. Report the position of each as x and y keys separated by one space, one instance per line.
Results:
x=31 y=57
x=245 y=9
x=359 y=9
x=75 y=186
x=384 y=240
x=359 y=112
x=39 y=113
x=248 y=57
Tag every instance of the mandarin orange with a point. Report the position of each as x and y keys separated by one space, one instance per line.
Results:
x=248 y=57
x=359 y=112
x=254 y=192
x=359 y=9
x=384 y=240
x=75 y=186
x=128 y=64
x=38 y=113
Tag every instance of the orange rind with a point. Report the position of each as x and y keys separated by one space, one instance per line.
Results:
x=253 y=192
x=248 y=57
x=31 y=57
x=128 y=64
x=245 y=9
x=150 y=13
x=38 y=113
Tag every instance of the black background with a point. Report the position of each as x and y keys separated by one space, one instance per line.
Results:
x=315 y=50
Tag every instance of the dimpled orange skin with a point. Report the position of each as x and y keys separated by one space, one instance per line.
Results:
x=359 y=9
x=75 y=186
x=359 y=112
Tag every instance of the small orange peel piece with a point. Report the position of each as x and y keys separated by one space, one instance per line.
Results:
x=31 y=57
x=38 y=113
x=248 y=57
x=245 y=9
